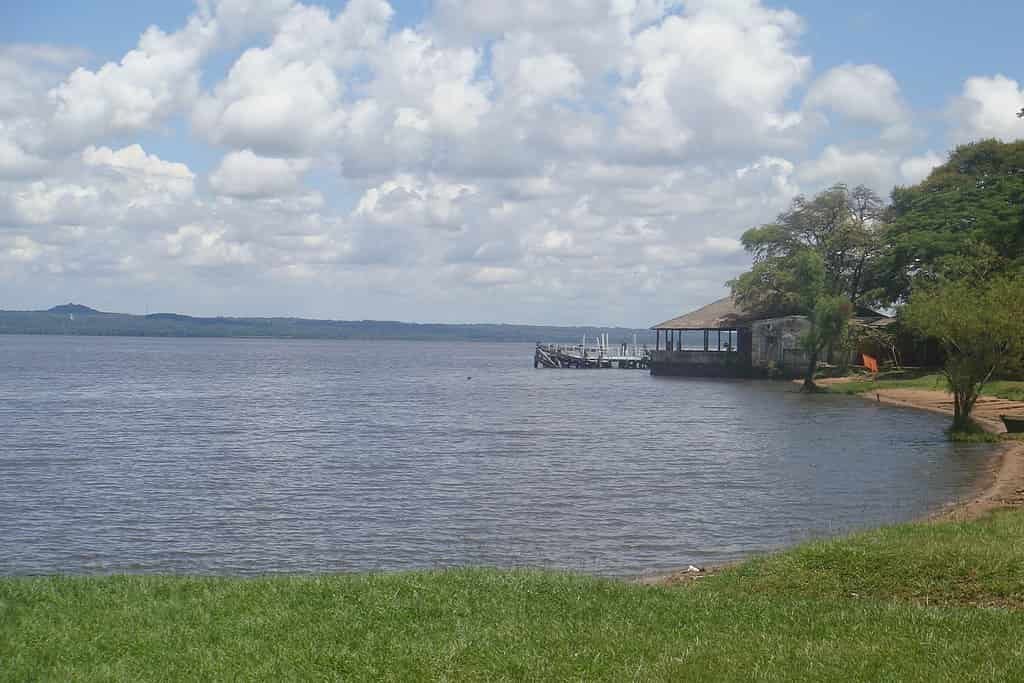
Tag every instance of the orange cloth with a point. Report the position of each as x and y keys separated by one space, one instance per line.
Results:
x=870 y=363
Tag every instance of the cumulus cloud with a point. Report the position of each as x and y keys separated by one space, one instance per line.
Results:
x=407 y=200
x=987 y=108
x=26 y=72
x=150 y=170
x=203 y=246
x=273 y=106
x=716 y=77
x=530 y=75
x=241 y=18
x=874 y=168
x=917 y=168
x=244 y=174
x=15 y=162
x=863 y=92
x=156 y=79
x=286 y=98
x=519 y=152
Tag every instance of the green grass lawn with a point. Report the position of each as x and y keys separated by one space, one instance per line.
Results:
x=909 y=603
x=1013 y=391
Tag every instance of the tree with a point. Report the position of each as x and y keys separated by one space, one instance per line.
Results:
x=981 y=329
x=829 y=321
x=840 y=225
x=817 y=259
x=970 y=208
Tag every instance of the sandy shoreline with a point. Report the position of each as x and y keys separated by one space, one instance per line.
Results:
x=1003 y=487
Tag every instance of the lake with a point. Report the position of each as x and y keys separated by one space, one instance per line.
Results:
x=234 y=456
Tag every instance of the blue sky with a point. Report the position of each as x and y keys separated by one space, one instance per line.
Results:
x=932 y=46
x=459 y=160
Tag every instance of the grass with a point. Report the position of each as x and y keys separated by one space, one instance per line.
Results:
x=974 y=433
x=1011 y=390
x=912 y=603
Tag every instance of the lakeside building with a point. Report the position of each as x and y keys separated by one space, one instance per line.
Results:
x=722 y=340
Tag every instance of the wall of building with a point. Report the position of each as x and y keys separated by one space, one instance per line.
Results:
x=775 y=346
x=700 y=363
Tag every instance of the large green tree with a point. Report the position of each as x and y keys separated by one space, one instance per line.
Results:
x=980 y=325
x=968 y=215
x=841 y=226
x=817 y=259
x=829 y=319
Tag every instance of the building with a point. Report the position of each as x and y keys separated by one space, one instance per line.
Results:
x=722 y=340
x=713 y=341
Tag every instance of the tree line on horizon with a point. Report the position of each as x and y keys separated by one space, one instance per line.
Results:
x=75 y=319
x=946 y=253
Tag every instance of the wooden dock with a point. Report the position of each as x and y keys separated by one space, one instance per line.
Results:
x=599 y=354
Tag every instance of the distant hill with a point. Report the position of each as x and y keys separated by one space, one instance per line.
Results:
x=76 y=319
x=72 y=308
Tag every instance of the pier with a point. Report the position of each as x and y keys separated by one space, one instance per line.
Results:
x=599 y=354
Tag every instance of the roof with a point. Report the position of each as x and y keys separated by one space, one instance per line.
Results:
x=725 y=314
x=721 y=314
x=877 y=320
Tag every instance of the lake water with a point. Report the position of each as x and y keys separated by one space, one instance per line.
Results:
x=260 y=456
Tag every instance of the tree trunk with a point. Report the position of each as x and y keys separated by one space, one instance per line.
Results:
x=963 y=404
x=812 y=367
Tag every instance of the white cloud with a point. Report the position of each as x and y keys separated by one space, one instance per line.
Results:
x=863 y=92
x=26 y=73
x=15 y=162
x=273 y=106
x=151 y=82
x=493 y=276
x=241 y=18
x=715 y=78
x=876 y=169
x=244 y=174
x=132 y=162
x=436 y=83
x=410 y=201
x=286 y=98
x=722 y=245
x=915 y=169
x=20 y=248
x=48 y=202
x=530 y=76
x=204 y=246
x=988 y=108
x=517 y=153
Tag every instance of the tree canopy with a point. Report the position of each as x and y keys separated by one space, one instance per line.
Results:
x=967 y=215
x=816 y=259
x=953 y=245
x=981 y=328
x=840 y=227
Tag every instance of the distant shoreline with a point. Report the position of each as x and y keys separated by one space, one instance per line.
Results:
x=258 y=337
x=76 y=320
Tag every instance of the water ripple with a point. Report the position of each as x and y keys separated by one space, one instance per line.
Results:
x=253 y=457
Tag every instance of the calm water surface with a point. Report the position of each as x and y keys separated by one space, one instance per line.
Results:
x=259 y=456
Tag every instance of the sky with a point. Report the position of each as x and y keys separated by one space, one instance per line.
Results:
x=572 y=162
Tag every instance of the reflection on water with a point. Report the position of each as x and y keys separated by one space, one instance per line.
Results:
x=246 y=456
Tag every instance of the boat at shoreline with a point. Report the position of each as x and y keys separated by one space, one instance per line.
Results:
x=1014 y=423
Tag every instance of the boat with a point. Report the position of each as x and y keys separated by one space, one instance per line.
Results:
x=1014 y=423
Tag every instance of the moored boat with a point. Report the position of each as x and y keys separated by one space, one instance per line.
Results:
x=1014 y=423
